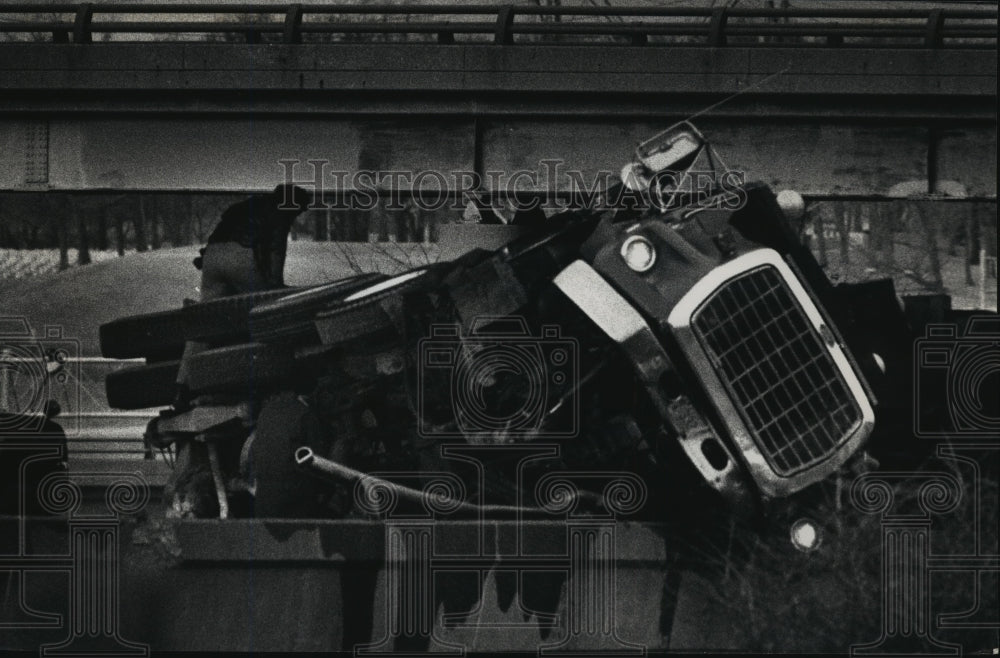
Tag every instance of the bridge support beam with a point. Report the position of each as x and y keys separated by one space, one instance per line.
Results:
x=217 y=117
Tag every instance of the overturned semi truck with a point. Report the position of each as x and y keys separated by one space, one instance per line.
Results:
x=688 y=312
x=643 y=368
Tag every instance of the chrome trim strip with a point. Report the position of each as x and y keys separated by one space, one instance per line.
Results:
x=679 y=320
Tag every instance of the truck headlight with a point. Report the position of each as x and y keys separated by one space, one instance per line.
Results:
x=806 y=536
x=639 y=253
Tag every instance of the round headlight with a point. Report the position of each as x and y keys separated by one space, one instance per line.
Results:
x=806 y=535
x=639 y=253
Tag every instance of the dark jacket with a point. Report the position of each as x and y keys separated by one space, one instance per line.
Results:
x=260 y=223
x=254 y=221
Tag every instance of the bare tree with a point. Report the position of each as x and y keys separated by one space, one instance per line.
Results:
x=155 y=216
x=58 y=208
x=970 y=238
x=120 y=233
x=842 y=216
x=82 y=234
x=187 y=220
x=820 y=231
x=102 y=227
x=881 y=236
x=988 y=235
x=930 y=235
x=139 y=222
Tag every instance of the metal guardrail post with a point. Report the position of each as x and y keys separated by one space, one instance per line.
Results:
x=504 y=34
x=252 y=36
x=717 y=27
x=935 y=23
x=293 y=25
x=81 y=24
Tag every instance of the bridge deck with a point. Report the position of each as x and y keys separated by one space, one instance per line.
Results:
x=485 y=79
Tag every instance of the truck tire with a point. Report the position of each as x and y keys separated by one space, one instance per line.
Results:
x=283 y=491
x=240 y=368
x=227 y=318
x=291 y=318
x=142 y=387
x=363 y=313
x=157 y=335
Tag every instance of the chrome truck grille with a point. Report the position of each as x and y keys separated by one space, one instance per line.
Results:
x=773 y=370
x=773 y=362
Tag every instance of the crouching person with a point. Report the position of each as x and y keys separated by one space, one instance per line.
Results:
x=245 y=253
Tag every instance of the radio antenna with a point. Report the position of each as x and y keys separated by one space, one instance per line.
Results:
x=760 y=82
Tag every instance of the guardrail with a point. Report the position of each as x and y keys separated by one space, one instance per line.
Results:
x=93 y=431
x=514 y=24
x=110 y=434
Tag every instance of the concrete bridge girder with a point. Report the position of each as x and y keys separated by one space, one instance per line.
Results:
x=477 y=68
x=221 y=117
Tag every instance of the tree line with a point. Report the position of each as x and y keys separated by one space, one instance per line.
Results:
x=132 y=222
x=120 y=222
x=910 y=238
x=903 y=237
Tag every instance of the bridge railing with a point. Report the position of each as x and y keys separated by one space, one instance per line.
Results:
x=960 y=27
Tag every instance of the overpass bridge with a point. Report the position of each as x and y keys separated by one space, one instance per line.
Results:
x=832 y=100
